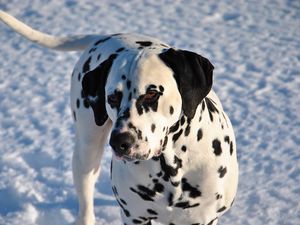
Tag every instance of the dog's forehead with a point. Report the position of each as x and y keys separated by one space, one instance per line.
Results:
x=138 y=70
x=151 y=70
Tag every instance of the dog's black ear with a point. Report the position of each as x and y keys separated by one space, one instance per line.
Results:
x=193 y=74
x=93 y=86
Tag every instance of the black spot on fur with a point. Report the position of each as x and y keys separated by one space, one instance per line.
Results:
x=123 y=201
x=78 y=103
x=185 y=205
x=231 y=148
x=92 y=50
x=175 y=184
x=216 y=144
x=211 y=222
x=174 y=128
x=102 y=40
x=227 y=139
x=169 y=170
x=153 y=127
x=218 y=196
x=158 y=187
x=128 y=84
x=129 y=96
x=144 y=43
x=161 y=88
x=211 y=108
x=79 y=76
x=143 y=195
x=183 y=148
x=170 y=199
x=221 y=209
x=126 y=212
x=115 y=191
x=164 y=143
x=86 y=65
x=120 y=50
x=194 y=192
x=98 y=57
x=182 y=120
x=199 y=134
x=222 y=171
x=177 y=135
x=123 y=77
x=171 y=110
x=136 y=221
x=187 y=129
x=74 y=116
x=152 y=212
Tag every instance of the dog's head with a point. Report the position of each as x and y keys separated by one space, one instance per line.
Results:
x=144 y=95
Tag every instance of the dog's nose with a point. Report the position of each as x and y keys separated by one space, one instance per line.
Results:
x=121 y=142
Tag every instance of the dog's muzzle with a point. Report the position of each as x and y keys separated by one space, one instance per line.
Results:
x=121 y=143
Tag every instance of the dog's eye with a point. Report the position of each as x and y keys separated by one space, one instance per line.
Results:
x=114 y=99
x=151 y=96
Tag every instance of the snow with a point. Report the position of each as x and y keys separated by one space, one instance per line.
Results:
x=255 y=48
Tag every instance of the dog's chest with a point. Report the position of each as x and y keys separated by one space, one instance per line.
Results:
x=171 y=188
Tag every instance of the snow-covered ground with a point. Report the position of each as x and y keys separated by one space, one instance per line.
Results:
x=255 y=47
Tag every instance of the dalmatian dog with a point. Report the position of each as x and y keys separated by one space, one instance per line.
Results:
x=174 y=147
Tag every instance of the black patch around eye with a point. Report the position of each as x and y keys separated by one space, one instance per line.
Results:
x=115 y=99
x=144 y=43
x=143 y=105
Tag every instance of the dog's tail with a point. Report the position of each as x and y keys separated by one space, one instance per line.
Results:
x=72 y=43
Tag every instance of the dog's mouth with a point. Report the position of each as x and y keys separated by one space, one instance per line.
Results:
x=136 y=156
x=131 y=157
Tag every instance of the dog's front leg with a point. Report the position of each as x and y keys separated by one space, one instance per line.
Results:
x=86 y=168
